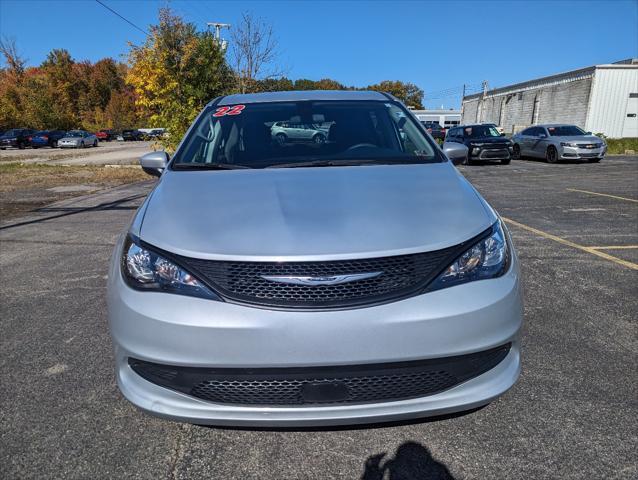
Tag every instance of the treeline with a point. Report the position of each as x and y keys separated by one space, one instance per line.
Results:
x=166 y=81
x=64 y=94
x=409 y=93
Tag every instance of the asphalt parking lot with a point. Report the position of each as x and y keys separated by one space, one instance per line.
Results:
x=573 y=413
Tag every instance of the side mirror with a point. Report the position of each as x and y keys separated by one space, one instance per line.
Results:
x=456 y=152
x=589 y=133
x=542 y=135
x=154 y=163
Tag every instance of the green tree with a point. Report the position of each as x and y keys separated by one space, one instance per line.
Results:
x=407 y=92
x=175 y=73
x=274 y=85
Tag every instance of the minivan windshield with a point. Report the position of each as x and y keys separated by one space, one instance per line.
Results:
x=566 y=131
x=304 y=133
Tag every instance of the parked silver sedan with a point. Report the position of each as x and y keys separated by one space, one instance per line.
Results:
x=78 y=139
x=558 y=142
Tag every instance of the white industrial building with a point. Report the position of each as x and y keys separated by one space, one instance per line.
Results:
x=446 y=118
x=599 y=99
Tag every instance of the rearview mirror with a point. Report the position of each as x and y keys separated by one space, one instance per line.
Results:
x=154 y=163
x=455 y=152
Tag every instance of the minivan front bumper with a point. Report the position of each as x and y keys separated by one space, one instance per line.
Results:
x=183 y=331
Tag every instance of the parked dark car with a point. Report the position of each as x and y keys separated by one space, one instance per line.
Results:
x=435 y=129
x=16 y=137
x=46 y=138
x=129 y=135
x=484 y=143
x=106 y=135
x=154 y=134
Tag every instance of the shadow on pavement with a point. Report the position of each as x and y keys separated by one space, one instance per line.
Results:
x=412 y=461
x=114 y=205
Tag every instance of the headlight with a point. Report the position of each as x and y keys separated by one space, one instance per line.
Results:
x=488 y=258
x=476 y=150
x=568 y=144
x=144 y=269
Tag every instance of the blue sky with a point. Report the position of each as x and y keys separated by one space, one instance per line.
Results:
x=439 y=45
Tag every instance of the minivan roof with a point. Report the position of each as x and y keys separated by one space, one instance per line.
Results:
x=301 y=95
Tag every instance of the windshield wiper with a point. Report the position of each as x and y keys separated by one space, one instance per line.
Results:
x=347 y=162
x=325 y=163
x=208 y=166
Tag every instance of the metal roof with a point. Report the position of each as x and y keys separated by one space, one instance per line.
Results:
x=300 y=95
x=557 y=78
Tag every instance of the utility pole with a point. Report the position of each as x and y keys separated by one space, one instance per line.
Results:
x=218 y=33
x=482 y=102
x=462 y=104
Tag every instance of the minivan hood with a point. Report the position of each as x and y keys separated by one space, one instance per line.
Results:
x=313 y=213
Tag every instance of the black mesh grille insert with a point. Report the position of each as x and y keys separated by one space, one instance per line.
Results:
x=401 y=276
x=324 y=385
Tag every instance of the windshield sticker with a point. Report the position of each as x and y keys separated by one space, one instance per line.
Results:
x=222 y=111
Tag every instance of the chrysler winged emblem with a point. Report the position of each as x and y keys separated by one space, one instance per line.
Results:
x=314 y=281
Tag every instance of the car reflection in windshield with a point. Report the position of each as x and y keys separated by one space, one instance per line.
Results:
x=288 y=132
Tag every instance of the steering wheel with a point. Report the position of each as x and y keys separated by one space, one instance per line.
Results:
x=361 y=145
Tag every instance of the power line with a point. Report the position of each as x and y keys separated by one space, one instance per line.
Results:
x=125 y=19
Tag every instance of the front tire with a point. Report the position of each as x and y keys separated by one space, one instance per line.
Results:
x=319 y=139
x=95 y=143
x=594 y=160
x=516 y=152
x=551 y=155
x=81 y=145
x=281 y=138
x=506 y=161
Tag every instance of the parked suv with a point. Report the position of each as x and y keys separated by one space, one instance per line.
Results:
x=295 y=131
x=132 y=135
x=267 y=283
x=558 y=142
x=435 y=129
x=484 y=143
x=16 y=137
x=106 y=135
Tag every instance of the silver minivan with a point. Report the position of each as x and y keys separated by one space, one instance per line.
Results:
x=354 y=280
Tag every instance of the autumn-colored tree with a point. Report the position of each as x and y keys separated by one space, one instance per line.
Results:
x=121 y=112
x=175 y=73
x=10 y=84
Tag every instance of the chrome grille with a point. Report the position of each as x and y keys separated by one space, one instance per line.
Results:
x=243 y=282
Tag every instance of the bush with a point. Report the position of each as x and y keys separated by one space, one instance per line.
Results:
x=619 y=145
